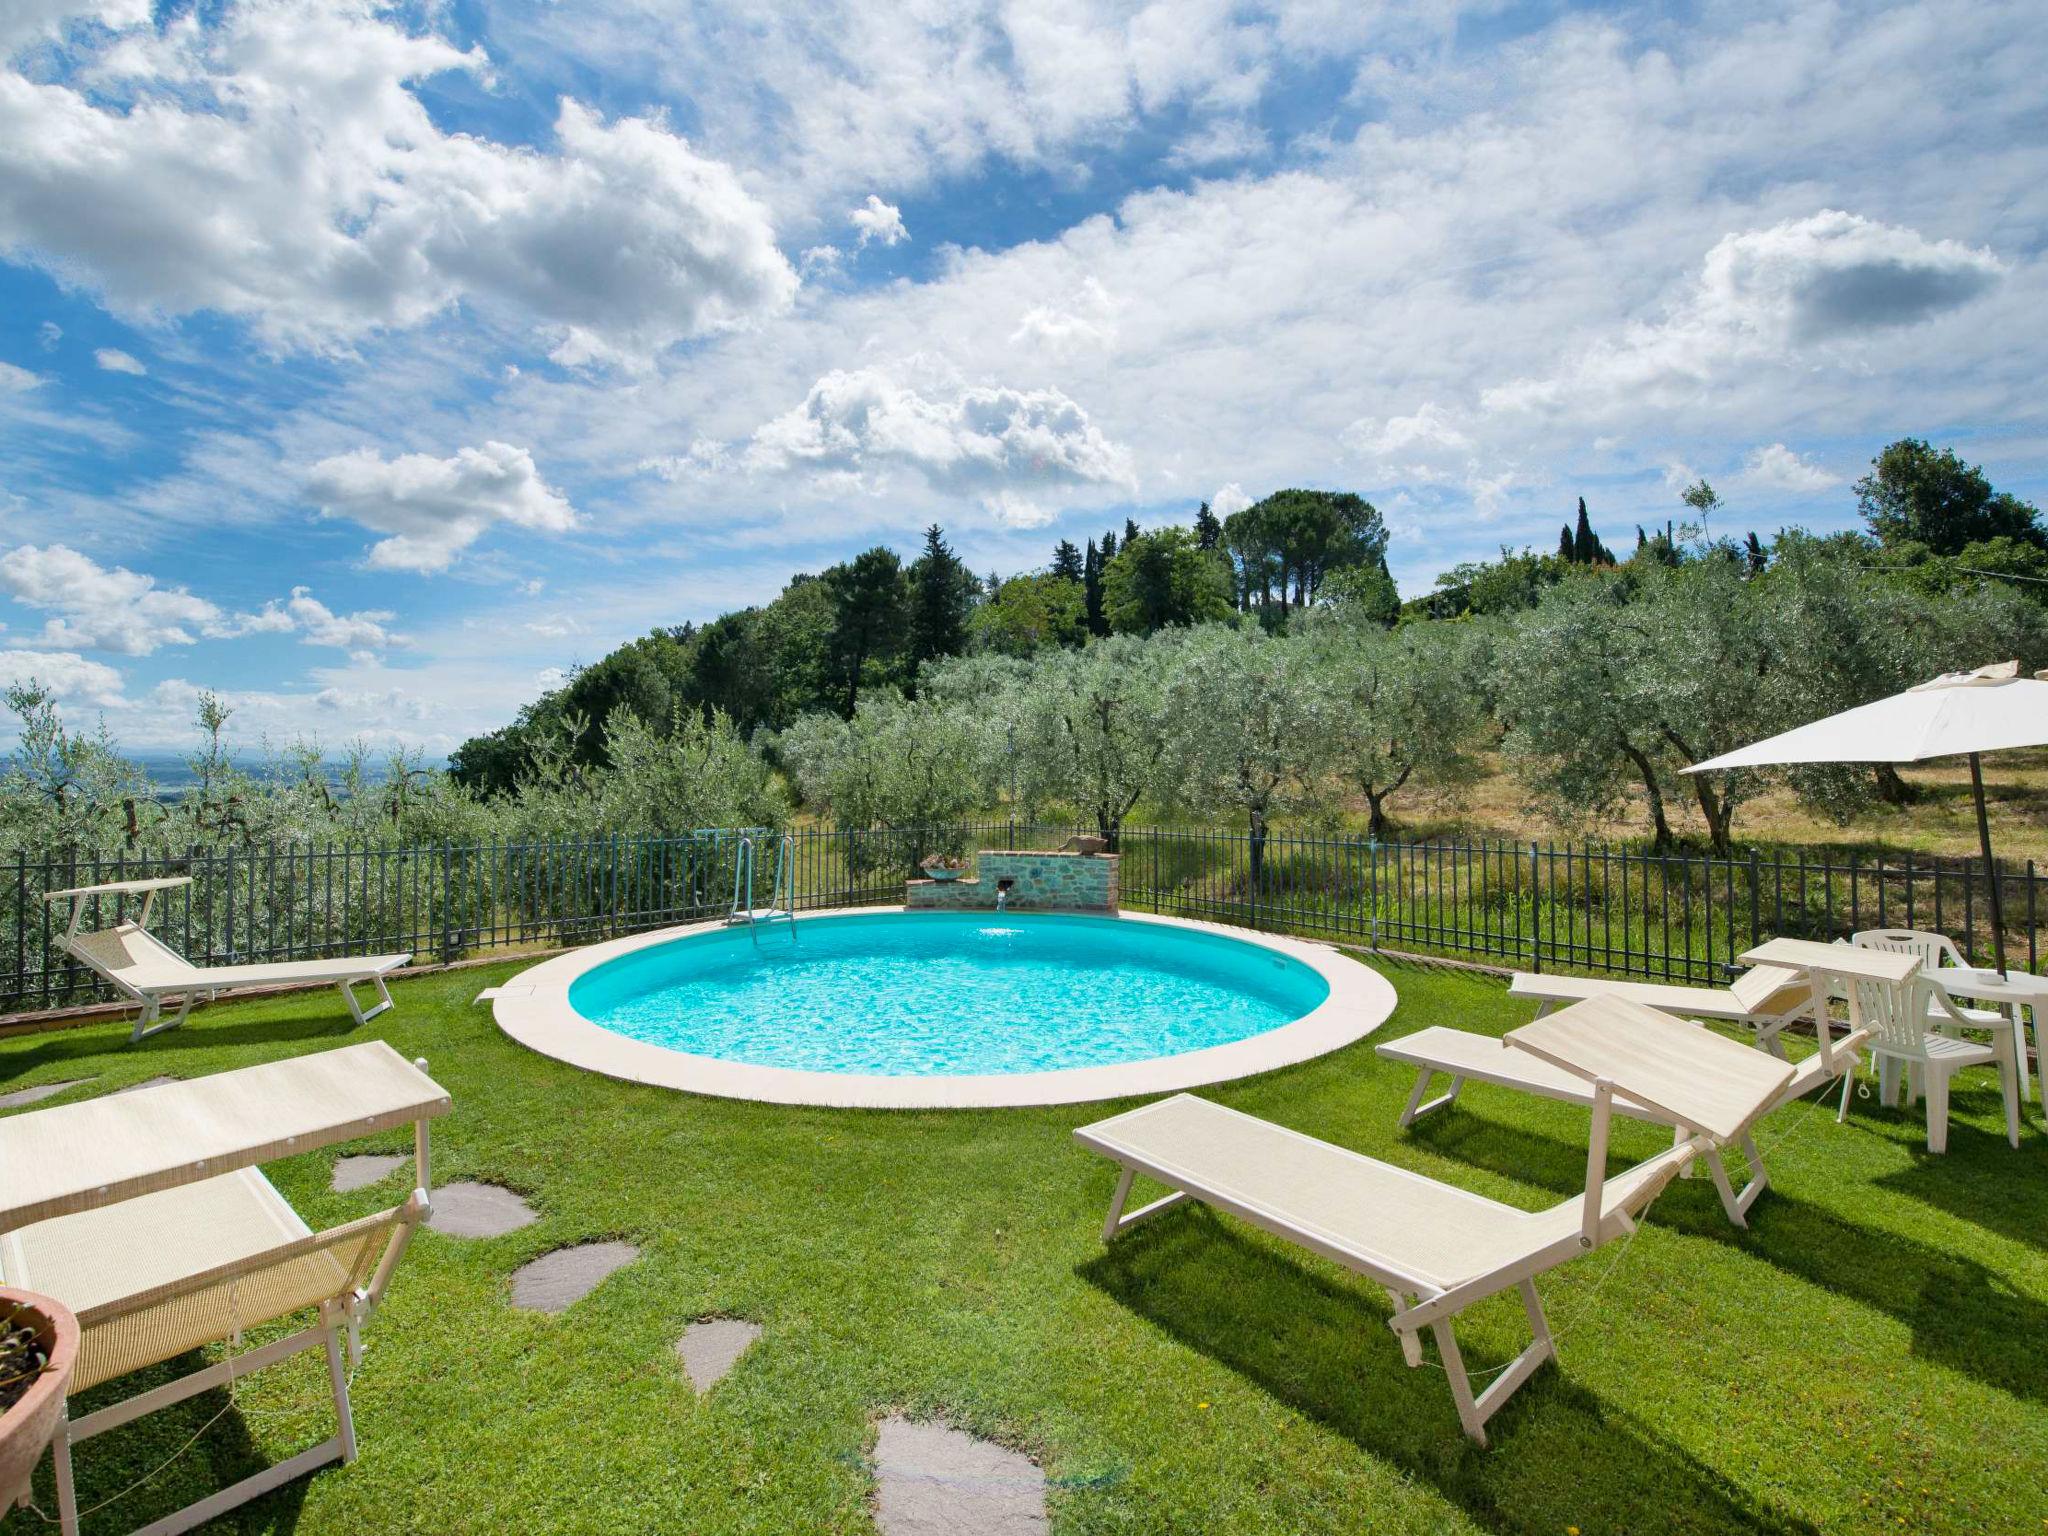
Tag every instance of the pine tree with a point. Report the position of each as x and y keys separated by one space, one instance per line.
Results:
x=1109 y=546
x=941 y=597
x=1208 y=528
x=1753 y=550
x=1130 y=531
x=1066 y=561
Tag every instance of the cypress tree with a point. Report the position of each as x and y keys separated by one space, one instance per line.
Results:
x=1566 y=551
x=1208 y=530
x=1130 y=532
x=1585 y=546
x=1109 y=546
x=1066 y=561
x=1091 y=590
x=941 y=596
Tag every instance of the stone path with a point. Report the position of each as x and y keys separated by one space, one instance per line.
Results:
x=365 y=1169
x=36 y=1095
x=711 y=1348
x=154 y=1082
x=935 y=1481
x=467 y=1209
x=556 y=1281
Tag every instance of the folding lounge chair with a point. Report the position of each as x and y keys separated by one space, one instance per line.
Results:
x=146 y=1215
x=1766 y=998
x=140 y=966
x=1436 y=1249
x=1466 y=1057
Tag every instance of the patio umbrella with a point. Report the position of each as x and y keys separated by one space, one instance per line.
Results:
x=1958 y=714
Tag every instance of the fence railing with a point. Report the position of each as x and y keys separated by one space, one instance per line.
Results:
x=1622 y=911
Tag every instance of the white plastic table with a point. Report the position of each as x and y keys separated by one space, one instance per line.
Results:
x=2015 y=990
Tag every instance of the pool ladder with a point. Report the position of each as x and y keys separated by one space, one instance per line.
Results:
x=781 y=904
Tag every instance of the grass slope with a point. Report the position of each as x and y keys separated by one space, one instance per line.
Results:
x=1872 y=1355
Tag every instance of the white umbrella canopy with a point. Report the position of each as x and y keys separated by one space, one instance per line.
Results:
x=1991 y=709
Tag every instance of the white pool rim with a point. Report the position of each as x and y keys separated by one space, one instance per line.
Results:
x=533 y=1008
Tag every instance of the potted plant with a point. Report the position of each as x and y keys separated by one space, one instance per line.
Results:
x=38 y=1348
x=943 y=866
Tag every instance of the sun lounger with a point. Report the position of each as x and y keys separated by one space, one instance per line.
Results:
x=140 y=966
x=145 y=1214
x=1765 y=997
x=1434 y=1248
x=1465 y=1057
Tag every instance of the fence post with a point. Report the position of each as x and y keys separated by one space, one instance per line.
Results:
x=1755 y=936
x=447 y=905
x=1535 y=908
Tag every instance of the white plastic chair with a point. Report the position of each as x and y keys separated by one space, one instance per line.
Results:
x=1896 y=1014
x=1937 y=952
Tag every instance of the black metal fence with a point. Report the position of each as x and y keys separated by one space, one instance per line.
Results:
x=1623 y=911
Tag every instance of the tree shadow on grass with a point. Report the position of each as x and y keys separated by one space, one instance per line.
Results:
x=224 y=1453
x=161 y=1051
x=1560 y=1458
x=1962 y=1314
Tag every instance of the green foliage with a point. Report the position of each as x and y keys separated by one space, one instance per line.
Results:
x=1286 y=545
x=870 y=601
x=1404 y=711
x=1091 y=728
x=1915 y=495
x=942 y=594
x=1164 y=580
x=1027 y=614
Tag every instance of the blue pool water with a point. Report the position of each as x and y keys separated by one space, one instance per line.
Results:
x=931 y=994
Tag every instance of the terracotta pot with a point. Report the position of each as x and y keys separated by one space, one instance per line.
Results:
x=26 y=1428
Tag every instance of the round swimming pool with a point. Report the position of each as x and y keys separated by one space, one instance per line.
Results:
x=892 y=1008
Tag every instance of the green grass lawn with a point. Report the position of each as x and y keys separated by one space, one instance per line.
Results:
x=1871 y=1355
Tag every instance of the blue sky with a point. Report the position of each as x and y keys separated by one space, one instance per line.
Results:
x=372 y=364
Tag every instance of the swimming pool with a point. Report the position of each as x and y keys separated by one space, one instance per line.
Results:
x=934 y=1009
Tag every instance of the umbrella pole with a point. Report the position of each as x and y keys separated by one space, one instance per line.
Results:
x=1990 y=869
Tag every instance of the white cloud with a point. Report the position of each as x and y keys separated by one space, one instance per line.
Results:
x=998 y=443
x=1765 y=296
x=548 y=679
x=278 y=165
x=316 y=624
x=1084 y=320
x=102 y=608
x=1226 y=141
x=432 y=509
x=114 y=360
x=48 y=334
x=819 y=261
x=1430 y=428
x=1229 y=499
x=70 y=676
x=879 y=222
x=1778 y=468
x=15 y=380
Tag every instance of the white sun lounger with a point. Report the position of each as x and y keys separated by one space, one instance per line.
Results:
x=1464 y=1057
x=140 y=966
x=1437 y=1249
x=146 y=1214
x=1765 y=997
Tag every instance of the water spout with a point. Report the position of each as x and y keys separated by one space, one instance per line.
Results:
x=1003 y=893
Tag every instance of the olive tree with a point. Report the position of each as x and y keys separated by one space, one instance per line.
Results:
x=1246 y=727
x=1091 y=728
x=1404 y=708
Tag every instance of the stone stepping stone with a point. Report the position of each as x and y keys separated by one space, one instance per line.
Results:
x=556 y=1281
x=36 y=1095
x=366 y=1168
x=466 y=1209
x=934 y=1481
x=711 y=1348
x=154 y=1082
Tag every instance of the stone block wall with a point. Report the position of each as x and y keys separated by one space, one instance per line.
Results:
x=1042 y=882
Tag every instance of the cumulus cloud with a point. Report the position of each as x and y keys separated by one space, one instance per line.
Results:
x=1765 y=296
x=878 y=221
x=278 y=165
x=71 y=677
x=1777 y=468
x=114 y=360
x=1429 y=429
x=1229 y=499
x=1085 y=320
x=315 y=623
x=997 y=443
x=430 y=509
x=102 y=608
